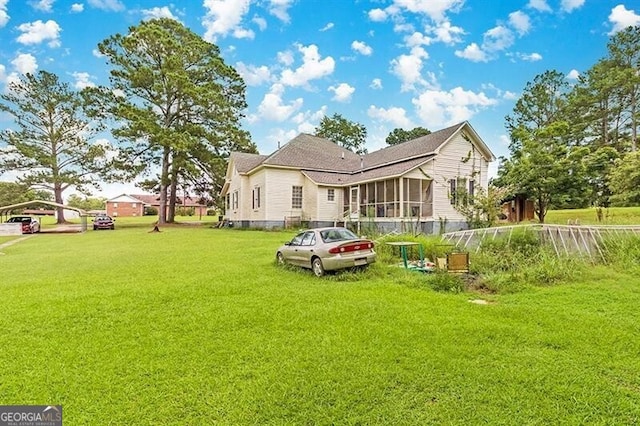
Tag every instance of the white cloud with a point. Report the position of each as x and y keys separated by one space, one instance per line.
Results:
x=342 y=92
x=308 y=121
x=3 y=75
x=327 y=27
x=396 y=116
x=313 y=67
x=252 y=75
x=437 y=108
x=43 y=5
x=83 y=79
x=376 y=84
x=109 y=5
x=278 y=137
x=520 y=21
x=573 y=74
x=4 y=17
x=272 y=107
x=435 y=9
x=539 y=5
x=158 y=12
x=510 y=96
x=260 y=22
x=377 y=15
x=447 y=33
x=96 y=53
x=25 y=63
x=497 y=38
x=408 y=68
x=285 y=58
x=531 y=57
x=278 y=8
x=622 y=18
x=362 y=48
x=224 y=17
x=472 y=52
x=570 y=5
x=417 y=39
x=38 y=31
x=77 y=7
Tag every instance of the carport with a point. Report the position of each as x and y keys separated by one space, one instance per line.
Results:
x=5 y=211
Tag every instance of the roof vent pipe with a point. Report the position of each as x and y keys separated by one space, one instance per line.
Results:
x=343 y=155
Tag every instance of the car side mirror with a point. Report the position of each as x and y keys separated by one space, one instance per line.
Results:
x=288 y=243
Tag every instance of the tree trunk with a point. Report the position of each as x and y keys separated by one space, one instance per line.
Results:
x=164 y=179
x=57 y=193
x=171 y=216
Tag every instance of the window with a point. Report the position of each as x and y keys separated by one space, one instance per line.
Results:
x=235 y=200
x=115 y=205
x=133 y=205
x=256 y=197
x=296 y=197
x=472 y=188
x=228 y=201
x=331 y=194
x=309 y=239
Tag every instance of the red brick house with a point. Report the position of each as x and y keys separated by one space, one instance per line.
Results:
x=125 y=206
x=134 y=205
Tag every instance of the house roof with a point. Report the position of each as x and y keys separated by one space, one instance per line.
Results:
x=245 y=162
x=328 y=163
x=314 y=153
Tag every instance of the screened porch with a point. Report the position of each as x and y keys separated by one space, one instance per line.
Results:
x=390 y=198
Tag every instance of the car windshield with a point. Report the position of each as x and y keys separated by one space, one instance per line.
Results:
x=337 y=234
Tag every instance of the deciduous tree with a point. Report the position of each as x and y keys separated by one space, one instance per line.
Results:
x=399 y=135
x=346 y=133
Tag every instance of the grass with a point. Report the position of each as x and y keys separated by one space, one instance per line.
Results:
x=611 y=216
x=195 y=325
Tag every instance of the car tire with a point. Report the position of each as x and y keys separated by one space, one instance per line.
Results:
x=280 y=258
x=95 y=228
x=113 y=227
x=316 y=267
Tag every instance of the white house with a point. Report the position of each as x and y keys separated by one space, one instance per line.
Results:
x=412 y=185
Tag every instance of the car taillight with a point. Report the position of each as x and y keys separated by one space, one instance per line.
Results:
x=351 y=247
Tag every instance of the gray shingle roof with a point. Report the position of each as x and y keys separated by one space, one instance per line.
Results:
x=328 y=163
x=314 y=153
x=245 y=162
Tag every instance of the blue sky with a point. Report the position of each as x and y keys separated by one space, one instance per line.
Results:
x=381 y=63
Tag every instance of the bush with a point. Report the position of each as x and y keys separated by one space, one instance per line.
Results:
x=150 y=211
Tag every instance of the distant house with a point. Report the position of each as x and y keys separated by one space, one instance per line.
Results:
x=311 y=179
x=125 y=206
x=135 y=205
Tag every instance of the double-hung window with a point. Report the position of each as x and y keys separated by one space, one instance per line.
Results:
x=296 y=197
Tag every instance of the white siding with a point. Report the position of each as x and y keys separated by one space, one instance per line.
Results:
x=278 y=193
x=329 y=210
x=456 y=159
x=257 y=180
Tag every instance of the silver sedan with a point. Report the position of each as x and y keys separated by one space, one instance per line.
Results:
x=327 y=249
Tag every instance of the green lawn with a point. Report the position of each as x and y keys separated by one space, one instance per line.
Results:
x=610 y=216
x=195 y=325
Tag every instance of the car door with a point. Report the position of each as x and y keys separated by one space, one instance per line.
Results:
x=290 y=250
x=307 y=247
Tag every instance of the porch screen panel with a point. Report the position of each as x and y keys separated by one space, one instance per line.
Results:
x=381 y=200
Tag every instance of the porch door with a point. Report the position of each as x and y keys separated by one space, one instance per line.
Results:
x=355 y=206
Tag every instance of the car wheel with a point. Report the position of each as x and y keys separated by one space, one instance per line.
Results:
x=316 y=266
x=280 y=258
x=95 y=228
x=113 y=227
